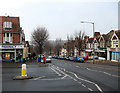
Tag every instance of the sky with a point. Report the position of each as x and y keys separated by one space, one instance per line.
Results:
x=63 y=17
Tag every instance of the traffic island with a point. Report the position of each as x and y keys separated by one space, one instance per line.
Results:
x=23 y=74
x=22 y=77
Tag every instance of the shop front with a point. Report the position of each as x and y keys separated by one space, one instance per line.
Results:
x=12 y=53
x=8 y=55
x=115 y=56
x=88 y=52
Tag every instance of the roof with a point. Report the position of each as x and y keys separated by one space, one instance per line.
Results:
x=110 y=34
x=117 y=33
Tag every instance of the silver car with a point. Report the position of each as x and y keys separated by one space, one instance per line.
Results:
x=48 y=59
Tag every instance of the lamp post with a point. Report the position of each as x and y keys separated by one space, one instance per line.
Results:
x=93 y=37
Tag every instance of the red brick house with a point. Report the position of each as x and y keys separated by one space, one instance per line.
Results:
x=12 y=38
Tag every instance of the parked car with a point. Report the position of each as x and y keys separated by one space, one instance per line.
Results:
x=78 y=59
x=71 y=58
x=50 y=56
x=85 y=57
x=67 y=58
x=61 y=57
x=48 y=59
x=91 y=57
x=56 y=57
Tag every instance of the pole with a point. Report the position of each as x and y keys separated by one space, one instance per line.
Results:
x=93 y=43
x=93 y=38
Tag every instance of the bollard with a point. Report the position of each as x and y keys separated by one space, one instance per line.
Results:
x=23 y=74
x=24 y=70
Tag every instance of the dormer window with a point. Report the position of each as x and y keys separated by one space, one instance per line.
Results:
x=7 y=25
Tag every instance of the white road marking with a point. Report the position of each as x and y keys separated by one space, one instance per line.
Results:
x=64 y=77
x=52 y=79
x=98 y=88
x=84 y=80
x=79 y=78
x=37 y=78
x=83 y=85
x=99 y=71
x=56 y=71
x=90 y=89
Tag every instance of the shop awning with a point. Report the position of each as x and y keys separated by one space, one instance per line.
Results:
x=88 y=50
x=95 y=51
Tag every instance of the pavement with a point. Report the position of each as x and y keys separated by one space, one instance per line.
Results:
x=104 y=62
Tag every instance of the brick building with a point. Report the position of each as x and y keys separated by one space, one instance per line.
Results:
x=12 y=38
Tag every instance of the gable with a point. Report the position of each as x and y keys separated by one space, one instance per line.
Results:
x=101 y=39
x=114 y=38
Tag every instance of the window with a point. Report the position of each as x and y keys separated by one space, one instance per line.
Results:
x=7 y=34
x=115 y=43
x=7 y=25
x=10 y=37
x=4 y=35
x=4 y=38
x=11 y=34
x=7 y=37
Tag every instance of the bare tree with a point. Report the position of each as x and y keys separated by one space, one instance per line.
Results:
x=48 y=48
x=79 y=41
x=69 y=44
x=39 y=37
x=58 y=46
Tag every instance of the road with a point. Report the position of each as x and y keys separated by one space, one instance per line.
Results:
x=61 y=75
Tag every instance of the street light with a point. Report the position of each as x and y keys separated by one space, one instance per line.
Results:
x=93 y=36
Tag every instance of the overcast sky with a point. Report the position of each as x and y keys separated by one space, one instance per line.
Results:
x=62 y=17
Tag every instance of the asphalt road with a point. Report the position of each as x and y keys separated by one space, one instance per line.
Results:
x=61 y=75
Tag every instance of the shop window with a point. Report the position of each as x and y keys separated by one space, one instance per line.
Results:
x=3 y=55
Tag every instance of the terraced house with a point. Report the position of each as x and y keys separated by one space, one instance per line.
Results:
x=104 y=46
x=113 y=45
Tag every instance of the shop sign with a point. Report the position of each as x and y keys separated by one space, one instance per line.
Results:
x=12 y=46
x=115 y=43
x=113 y=49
